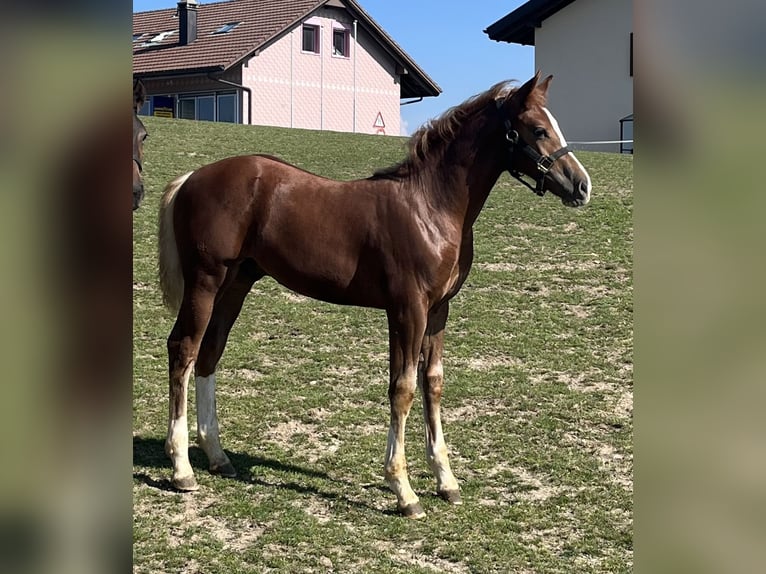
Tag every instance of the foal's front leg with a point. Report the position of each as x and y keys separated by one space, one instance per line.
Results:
x=405 y=337
x=432 y=383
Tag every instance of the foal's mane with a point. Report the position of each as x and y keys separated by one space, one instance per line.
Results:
x=430 y=142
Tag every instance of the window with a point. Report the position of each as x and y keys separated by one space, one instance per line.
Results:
x=227 y=108
x=227 y=28
x=137 y=37
x=187 y=109
x=340 y=42
x=206 y=108
x=311 y=39
x=219 y=107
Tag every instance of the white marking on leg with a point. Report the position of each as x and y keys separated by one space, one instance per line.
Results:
x=396 y=463
x=207 y=422
x=178 y=432
x=557 y=129
x=438 y=460
x=177 y=445
x=436 y=447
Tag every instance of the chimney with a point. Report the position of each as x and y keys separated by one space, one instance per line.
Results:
x=187 y=21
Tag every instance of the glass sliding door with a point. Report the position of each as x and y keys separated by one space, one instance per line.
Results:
x=187 y=108
x=219 y=107
x=206 y=108
x=227 y=108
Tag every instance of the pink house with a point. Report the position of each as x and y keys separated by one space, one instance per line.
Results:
x=314 y=64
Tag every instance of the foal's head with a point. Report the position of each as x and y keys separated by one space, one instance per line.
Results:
x=139 y=135
x=536 y=146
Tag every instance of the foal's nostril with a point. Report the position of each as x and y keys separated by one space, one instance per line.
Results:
x=582 y=187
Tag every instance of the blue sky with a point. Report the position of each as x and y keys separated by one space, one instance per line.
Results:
x=446 y=39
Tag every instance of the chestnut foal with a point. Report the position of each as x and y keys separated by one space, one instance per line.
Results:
x=400 y=240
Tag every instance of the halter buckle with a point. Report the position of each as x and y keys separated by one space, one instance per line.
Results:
x=545 y=163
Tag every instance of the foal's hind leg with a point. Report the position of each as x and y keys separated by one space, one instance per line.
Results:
x=406 y=328
x=432 y=382
x=225 y=312
x=183 y=345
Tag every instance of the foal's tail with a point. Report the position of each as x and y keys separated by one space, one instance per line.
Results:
x=171 y=277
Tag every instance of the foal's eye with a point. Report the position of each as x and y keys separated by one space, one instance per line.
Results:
x=540 y=133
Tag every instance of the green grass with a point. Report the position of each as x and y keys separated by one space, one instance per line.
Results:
x=537 y=406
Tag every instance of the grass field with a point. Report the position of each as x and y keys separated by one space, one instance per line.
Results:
x=537 y=407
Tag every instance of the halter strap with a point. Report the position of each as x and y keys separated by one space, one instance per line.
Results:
x=544 y=163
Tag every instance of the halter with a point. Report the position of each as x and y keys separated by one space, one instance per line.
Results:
x=544 y=163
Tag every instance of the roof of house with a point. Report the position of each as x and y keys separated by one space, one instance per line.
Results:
x=157 y=52
x=518 y=27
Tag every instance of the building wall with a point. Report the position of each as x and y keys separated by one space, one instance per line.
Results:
x=586 y=46
x=292 y=88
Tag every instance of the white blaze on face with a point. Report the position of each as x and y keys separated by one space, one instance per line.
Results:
x=557 y=130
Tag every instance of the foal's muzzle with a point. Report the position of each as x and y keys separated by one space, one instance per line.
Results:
x=580 y=195
x=138 y=185
x=138 y=195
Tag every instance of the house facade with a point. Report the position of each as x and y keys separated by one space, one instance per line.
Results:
x=322 y=65
x=588 y=47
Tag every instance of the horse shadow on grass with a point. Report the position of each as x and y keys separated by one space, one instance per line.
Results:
x=150 y=452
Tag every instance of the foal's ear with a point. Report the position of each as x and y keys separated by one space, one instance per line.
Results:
x=518 y=98
x=139 y=94
x=543 y=88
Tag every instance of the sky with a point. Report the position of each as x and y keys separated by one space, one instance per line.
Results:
x=446 y=39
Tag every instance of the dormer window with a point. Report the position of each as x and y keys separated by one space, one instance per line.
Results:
x=162 y=36
x=226 y=28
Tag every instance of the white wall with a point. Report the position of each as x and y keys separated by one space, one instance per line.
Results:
x=586 y=46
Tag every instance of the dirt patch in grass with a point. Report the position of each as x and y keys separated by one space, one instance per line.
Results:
x=317 y=508
x=315 y=446
x=472 y=409
x=537 y=488
x=617 y=465
x=487 y=363
x=411 y=554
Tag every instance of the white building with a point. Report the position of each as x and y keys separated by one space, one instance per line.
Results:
x=588 y=47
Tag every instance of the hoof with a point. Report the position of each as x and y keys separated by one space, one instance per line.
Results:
x=451 y=496
x=414 y=511
x=226 y=470
x=186 y=484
